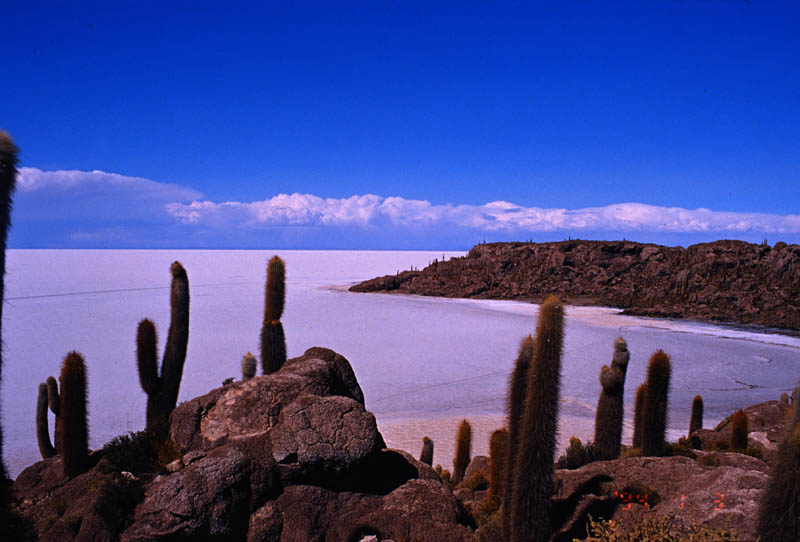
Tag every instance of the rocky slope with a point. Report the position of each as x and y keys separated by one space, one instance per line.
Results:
x=729 y=281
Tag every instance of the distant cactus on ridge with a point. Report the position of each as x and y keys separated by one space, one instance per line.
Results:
x=273 y=340
x=162 y=391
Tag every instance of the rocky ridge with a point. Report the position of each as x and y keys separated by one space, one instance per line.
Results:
x=723 y=281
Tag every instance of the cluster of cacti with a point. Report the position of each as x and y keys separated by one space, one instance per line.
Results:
x=162 y=391
x=498 y=464
x=426 y=455
x=463 y=451
x=608 y=418
x=515 y=406
x=638 y=415
x=248 y=367
x=779 y=509
x=533 y=465
x=273 y=340
x=8 y=178
x=739 y=430
x=654 y=416
x=72 y=419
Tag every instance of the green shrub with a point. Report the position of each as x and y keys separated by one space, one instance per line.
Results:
x=577 y=455
x=140 y=452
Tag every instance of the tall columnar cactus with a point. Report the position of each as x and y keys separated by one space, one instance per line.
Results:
x=610 y=409
x=517 y=386
x=426 y=455
x=696 y=422
x=498 y=462
x=74 y=430
x=273 y=341
x=654 y=421
x=42 y=430
x=779 y=509
x=162 y=391
x=54 y=400
x=248 y=367
x=8 y=178
x=463 y=451
x=739 y=430
x=638 y=415
x=533 y=475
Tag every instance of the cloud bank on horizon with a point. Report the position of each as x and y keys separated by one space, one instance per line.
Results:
x=96 y=209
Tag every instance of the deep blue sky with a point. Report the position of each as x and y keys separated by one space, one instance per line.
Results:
x=546 y=106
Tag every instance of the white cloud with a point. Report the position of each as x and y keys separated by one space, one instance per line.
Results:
x=501 y=216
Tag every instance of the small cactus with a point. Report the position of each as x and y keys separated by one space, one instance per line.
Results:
x=638 y=415
x=248 y=367
x=739 y=430
x=273 y=340
x=162 y=391
x=54 y=400
x=42 y=430
x=426 y=455
x=463 y=451
x=498 y=462
x=74 y=430
x=785 y=398
x=531 y=499
x=608 y=418
x=654 y=422
x=696 y=421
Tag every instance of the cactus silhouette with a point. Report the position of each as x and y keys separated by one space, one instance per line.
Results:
x=696 y=422
x=498 y=462
x=610 y=409
x=42 y=430
x=54 y=400
x=779 y=509
x=638 y=415
x=739 y=430
x=654 y=419
x=273 y=341
x=515 y=404
x=162 y=391
x=248 y=367
x=74 y=431
x=533 y=475
x=8 y=179
x=426 y=455
x=463 y=451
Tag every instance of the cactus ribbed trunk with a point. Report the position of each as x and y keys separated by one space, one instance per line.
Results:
x=498 y=463
x=74 y=430
x=610 y=408
x=638 y=415
x=54 y=400
x=654 y=420
x=533 y=476
x=273 y=340
x=8 y=179
x=517 y=386
x=42 y=430
x=463 y=451
x=696 y=421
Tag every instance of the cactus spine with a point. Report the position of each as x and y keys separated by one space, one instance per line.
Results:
x=696 y=421
x=638 y=415
x=8 y=178
x=42 y=431
x=74 y=431
x=654 y=420
x=426 y=455
x=533 y=475
x=608 y=418
x=273 y=340
x=54 y=400
x=498 y=462
x=463 y=451
x=162 y=391
x=517 y=386
x=248 y=367
x=739 y=430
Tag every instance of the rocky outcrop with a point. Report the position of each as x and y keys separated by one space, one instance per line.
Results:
x=293 y=455
x=730 y=281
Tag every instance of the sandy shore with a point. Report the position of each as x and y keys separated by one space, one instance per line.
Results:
x=406 y=434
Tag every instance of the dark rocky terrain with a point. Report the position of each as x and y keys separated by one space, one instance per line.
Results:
x=295 y=456
x=723 y=281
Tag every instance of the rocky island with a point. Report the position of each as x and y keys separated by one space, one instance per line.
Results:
x=723 y=281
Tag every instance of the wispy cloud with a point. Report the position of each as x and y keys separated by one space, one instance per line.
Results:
x=501 y=216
